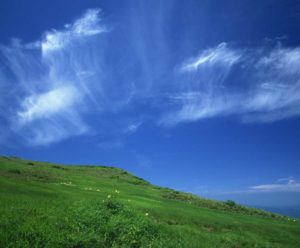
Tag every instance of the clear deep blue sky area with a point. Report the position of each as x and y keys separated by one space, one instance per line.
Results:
x=200 y=96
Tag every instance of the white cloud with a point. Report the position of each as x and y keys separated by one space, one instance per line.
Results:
x=286 y=179
x=282 y=185
x=277 y=93
x=48 y=131
x=51 y=117
x=47 y=104
x=255 y=85
x=219 y=56
x=132 y=128
x=52 y=83
x=202 y=92
x=88 y=25
x=286 y=186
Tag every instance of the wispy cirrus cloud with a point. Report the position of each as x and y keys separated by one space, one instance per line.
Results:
x=87 y=26
x=55 y=83
x=280 y=193
x=276 y=95
x=289 y=184
x=220 y=56
x=47 y=104
x=49 y=82
x=49 y=117
x=255 y=85
x=282 y=185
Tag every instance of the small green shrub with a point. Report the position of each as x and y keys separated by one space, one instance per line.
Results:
x=14 y=171
x=58 y=167
x=113 y=207
x=230 y=203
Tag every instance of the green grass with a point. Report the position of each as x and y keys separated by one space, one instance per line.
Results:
x=52 y=205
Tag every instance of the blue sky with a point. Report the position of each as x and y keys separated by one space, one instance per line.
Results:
x=201 y=96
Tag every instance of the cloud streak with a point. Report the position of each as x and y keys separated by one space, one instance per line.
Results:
x=289 y=185
x=283 y=185
x=52 y=83
x=221 y=56
x=255 y=85
x=87 y=26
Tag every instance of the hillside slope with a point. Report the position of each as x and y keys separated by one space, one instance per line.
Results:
x=52 y=205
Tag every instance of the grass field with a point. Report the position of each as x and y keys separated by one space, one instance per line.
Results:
x=52 y=205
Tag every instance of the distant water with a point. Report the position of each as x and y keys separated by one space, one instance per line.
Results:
x=293 y=211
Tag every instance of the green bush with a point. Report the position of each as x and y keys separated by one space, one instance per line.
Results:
x=14 y=171
x=230 y=203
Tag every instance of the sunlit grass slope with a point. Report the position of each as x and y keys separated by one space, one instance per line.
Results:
x=51 y=205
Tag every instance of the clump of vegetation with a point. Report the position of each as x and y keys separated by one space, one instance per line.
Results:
x=127 y=228
x=138 y=181
x=14 y=171
x=230 y=203
x=58 y=167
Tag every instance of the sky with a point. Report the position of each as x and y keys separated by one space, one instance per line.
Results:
x=200 y=96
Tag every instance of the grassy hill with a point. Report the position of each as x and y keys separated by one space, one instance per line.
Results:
x=52 y=205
